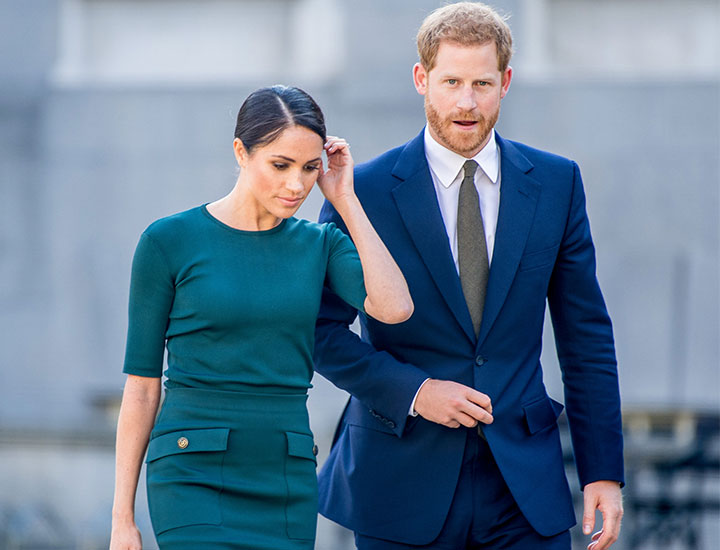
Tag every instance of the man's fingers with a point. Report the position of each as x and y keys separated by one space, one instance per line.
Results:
x=480 y=399
x=603 y=542
x=604 y=496
x=452 y=404
x=466 y=420
x=609 y=533
x=588 y=520
x=594 y=544
x=479 y=414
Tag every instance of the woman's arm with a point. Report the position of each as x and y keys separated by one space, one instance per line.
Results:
x=140 y=401
x=388 y=298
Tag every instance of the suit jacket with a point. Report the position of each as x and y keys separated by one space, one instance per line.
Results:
x=392 y=476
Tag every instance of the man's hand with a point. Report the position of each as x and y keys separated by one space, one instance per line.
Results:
x=452 y=404
x=606 y=497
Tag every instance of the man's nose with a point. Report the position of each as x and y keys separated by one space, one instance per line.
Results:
x=466 y=101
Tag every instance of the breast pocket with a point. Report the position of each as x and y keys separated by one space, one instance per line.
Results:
x=539 y=259
x=302 y=493
x=185 y=478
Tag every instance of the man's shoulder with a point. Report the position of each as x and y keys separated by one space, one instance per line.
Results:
x=382 y=164
x=535 y=155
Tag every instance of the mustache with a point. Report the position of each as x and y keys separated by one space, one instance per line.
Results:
x=467 y=118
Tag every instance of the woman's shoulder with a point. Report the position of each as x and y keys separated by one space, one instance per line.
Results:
x=175 y=225
x=325 y=236
x=313 y=229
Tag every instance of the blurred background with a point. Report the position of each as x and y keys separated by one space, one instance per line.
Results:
x=116 y=112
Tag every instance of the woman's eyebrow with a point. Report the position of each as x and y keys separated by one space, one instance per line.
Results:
x=288 y=159
x=284 y=158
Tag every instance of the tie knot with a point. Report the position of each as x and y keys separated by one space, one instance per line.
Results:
x=469 y=169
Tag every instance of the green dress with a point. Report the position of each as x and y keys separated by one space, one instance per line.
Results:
x=231 y=459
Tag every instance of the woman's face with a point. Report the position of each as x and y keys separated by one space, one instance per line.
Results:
x=279 y=175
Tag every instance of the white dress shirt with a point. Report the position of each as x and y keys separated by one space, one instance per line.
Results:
x=447 y=175
x=446 y=169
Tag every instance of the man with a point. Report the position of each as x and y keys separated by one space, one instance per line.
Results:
x=450 y=439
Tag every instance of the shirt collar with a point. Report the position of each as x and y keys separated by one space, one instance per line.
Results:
x=446 y=164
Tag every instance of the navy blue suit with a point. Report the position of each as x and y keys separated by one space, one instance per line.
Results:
x=391 y=476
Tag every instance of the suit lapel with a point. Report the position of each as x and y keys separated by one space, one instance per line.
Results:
x=518 y=200
x=418 y=206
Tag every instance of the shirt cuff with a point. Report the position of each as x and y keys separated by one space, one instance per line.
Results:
x=412 y=411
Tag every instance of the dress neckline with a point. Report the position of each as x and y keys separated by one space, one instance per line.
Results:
x=258 y=233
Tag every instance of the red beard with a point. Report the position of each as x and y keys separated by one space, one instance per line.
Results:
x=462 y=143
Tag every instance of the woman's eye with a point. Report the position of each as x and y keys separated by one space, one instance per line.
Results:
x=311 y=167
x=280 y=165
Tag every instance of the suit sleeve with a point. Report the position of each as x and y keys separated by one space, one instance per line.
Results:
x=152 y=291
x=586 y=350
x=382 y=383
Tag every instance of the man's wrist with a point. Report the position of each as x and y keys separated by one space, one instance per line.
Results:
x=412 y=411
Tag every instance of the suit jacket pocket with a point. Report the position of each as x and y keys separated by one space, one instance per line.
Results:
x=541 y=414
x=185 y=478
x=536 y=260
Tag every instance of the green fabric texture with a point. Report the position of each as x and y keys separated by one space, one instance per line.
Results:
x=236 y=308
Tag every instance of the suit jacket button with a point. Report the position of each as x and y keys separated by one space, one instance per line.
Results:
x=315 y=450
x=183 y=442
x=480 y=360
x=391 y=424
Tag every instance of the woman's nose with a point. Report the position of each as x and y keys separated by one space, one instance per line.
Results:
x=295 y=184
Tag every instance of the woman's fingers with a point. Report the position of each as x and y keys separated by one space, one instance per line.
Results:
x=334 y=144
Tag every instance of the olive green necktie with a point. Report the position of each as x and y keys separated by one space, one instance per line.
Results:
x=472 y=249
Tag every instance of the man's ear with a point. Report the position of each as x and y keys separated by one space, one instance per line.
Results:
x=420 y=77
x=506 y=78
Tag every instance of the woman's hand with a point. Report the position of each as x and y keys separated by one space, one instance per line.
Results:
x=388 y=298
x=125 y=536
x=138 y=409
x=336 y=182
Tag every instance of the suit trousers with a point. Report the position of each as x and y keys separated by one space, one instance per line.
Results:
x=483 y=513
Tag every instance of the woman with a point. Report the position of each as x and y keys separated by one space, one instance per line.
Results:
x=234 y=288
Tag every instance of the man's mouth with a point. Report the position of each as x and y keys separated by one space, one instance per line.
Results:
x=465 y=123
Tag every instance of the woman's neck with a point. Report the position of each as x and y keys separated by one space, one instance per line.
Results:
x=239 y=209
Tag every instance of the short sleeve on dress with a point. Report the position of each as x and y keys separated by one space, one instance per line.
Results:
x=344 y=271
x=152 y=290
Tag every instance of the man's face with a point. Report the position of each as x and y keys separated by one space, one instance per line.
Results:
x=462 y=95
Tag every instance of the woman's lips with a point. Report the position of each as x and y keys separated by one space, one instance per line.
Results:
x=290 y=201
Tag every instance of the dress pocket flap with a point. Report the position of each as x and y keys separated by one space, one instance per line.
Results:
x=188 y=441
x=542 y=413
x=301 y=445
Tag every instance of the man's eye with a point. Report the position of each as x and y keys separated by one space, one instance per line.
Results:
x=483 y=83
x=452 y=81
